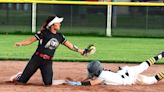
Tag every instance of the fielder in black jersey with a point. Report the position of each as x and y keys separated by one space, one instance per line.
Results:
x=49 y=39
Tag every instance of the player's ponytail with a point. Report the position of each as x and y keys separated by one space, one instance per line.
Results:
x=44 y=25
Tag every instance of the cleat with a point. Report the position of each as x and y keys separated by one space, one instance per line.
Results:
x=15 y=77
x=162 y=53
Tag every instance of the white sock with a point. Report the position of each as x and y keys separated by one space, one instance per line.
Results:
x=159 y=56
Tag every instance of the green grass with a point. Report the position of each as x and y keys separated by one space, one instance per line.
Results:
x=108 y=49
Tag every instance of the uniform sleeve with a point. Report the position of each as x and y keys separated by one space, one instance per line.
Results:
x=101 y=76
x=63 y=39
x=38 y=35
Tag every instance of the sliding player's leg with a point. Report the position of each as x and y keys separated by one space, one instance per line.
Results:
x=142 y=79
x=145 y=65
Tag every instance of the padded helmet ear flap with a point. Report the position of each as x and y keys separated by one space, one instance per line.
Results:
x=94 y=69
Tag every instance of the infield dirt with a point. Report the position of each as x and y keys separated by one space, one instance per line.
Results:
x=74 y=70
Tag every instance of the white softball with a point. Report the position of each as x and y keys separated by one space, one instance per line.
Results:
x=93 y=49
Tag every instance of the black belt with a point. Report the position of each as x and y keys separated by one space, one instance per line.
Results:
x=44 y=56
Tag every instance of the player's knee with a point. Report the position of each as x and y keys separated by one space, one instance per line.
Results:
x=48 y=83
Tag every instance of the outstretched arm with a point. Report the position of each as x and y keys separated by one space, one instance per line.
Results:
x=26 y=42
x=73 y=47
x=86 y=83
x=91 y=49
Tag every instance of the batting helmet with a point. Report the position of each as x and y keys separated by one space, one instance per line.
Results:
x=94 y=69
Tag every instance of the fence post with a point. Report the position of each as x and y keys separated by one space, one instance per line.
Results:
x=33 y=17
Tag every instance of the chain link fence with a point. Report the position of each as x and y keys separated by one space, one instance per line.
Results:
x=138 y=21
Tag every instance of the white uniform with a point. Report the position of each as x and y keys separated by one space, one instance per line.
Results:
x=127 y=76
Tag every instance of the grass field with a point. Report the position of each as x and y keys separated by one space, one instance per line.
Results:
x=108 y=49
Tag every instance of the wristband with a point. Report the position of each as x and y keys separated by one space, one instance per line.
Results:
x=86 y=83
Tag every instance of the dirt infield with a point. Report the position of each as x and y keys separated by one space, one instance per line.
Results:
x=75 y=70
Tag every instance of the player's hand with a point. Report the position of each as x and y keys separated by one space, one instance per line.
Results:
x=91 y=49
x=18 y=44
x=74 y=83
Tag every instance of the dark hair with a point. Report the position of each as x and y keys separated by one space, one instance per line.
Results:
x=44 y=25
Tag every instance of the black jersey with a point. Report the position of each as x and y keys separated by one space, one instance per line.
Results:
x=48 y=42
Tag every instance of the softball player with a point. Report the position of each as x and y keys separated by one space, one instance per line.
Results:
x=49 y=39
x=126 y=75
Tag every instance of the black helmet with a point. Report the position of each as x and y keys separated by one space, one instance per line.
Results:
x=94 y=69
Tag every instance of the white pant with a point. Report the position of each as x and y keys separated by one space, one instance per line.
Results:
x=135 y=76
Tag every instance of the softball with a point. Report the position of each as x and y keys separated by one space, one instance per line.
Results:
x=93 y=49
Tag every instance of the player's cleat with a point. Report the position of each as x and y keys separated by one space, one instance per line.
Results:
x=153 y=60
x=15 y=77
x=159 y=76
x=161 y=53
